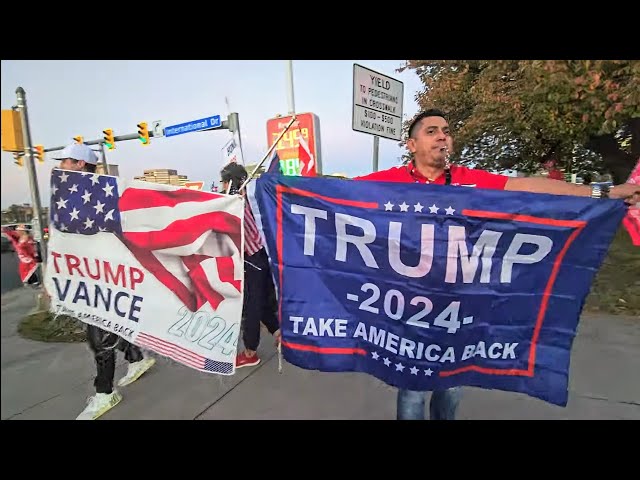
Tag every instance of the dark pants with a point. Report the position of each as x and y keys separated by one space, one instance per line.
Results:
x=260 y=299
x=103 y=345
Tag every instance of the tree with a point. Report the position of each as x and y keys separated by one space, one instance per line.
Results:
x=517 y=114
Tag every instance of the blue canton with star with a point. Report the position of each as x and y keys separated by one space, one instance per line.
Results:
x=84 y=203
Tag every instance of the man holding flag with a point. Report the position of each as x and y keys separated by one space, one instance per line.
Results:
x=430 y=143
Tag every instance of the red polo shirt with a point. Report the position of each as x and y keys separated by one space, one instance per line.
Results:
x=463 y=176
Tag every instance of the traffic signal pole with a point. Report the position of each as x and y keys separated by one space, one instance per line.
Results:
x=43 y=299
x=33 y=178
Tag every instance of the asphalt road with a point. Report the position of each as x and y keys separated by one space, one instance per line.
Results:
x=10 y=278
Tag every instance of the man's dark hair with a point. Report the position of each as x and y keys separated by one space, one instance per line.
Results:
x=433 y=112
x=234 y=172
x=88 y=167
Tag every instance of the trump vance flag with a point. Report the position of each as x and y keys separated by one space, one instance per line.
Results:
x=430 y=287
x=161 y=266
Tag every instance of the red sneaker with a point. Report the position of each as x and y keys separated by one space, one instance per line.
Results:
x=242 y=360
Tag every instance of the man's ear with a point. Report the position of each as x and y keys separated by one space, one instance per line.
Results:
x=82 y=163
x=411 y=145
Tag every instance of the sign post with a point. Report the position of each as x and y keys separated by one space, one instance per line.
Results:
x=377 y=106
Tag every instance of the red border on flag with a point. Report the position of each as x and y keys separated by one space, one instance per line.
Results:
x=577 y=225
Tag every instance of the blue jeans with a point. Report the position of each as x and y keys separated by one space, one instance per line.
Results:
x=443 y=404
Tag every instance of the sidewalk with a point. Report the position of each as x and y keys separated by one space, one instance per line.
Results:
x=52 y=381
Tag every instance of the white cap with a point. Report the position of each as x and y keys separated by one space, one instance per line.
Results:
x=77 y=151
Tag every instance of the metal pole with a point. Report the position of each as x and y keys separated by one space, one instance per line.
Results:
x=104 y=159
x=33 y=178
x=239 y=136
x=292 y=105
x=376 y=147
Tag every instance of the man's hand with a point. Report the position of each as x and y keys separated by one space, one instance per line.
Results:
x=630 y=192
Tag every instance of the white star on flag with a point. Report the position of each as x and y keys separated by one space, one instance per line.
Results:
x=74 y=188
x=428 y=372
x=61 y=203
x=95 y=179
x=88 y=223
x=386 y=361
x=418 y=207
x=99 y=206
x=433 y=208
x=449 y=210
x=388 y=206
x=414 y=370
x=399 y=367
x=375 y=355
x=74 y=214
x=108 y=190
x=64 y=177
x=54 y=189
x=404 y=207
x=109 y=215
x=86 y=197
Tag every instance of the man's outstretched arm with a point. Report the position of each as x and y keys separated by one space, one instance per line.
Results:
x=628 y=191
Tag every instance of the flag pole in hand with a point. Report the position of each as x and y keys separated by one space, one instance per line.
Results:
x=293 y=119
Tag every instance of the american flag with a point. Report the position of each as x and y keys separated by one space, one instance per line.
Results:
x=307 y=162
x=182 y=355
x=274 y=165
x=187 y=239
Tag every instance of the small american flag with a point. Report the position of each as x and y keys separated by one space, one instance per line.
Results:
x=186 y=238
x=183 y=355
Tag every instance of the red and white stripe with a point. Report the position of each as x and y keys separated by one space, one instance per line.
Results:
x=189 y=240
x=252 y=239
x=305 y=158
x=171 y=350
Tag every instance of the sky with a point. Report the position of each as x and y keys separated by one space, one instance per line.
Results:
x=84 y=97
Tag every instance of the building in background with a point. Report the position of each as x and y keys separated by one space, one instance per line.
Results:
x=164 y=176
x=22 y=214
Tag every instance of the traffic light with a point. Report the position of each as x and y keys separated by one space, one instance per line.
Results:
x=18 y=159
x=109 y=139
x=143 y=133
x=233 y=122
x=79 y=140
x=39 y=151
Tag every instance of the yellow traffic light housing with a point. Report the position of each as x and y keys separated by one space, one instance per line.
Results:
x=12 y=139
x=143 y=133
x=109 y=139
x=39 y=151
x=79 y=140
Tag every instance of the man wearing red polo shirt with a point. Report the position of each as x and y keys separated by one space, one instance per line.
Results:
x=430 y=143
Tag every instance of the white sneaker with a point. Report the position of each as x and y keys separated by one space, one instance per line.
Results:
x=135 y=371
x=100 y=404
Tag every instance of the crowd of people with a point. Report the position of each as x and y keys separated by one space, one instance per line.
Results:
x=430 y=144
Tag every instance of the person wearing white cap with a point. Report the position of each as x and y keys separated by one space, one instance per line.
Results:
x=81 y=158
x=78 y=157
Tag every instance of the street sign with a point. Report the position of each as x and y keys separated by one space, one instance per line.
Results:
x=35 y=228
x=156 y=128
x=377 y=103
x=306 y=126
x=193 y=126
x=194 y=185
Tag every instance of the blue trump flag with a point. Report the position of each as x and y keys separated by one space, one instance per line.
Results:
x=430 y=287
